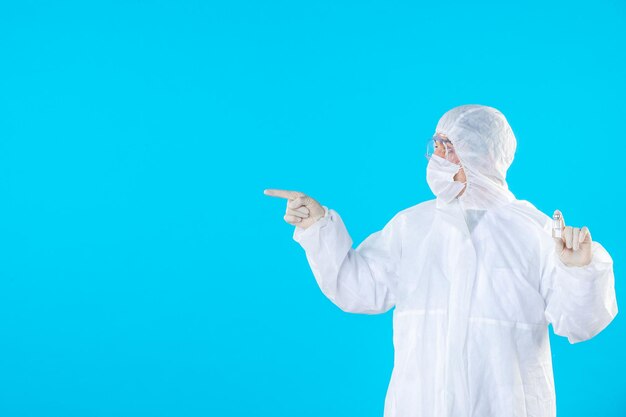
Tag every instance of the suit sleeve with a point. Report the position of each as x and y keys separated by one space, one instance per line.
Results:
x=360 y=280
x=580 y=301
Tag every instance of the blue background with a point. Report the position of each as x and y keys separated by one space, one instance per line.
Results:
x=142 y=270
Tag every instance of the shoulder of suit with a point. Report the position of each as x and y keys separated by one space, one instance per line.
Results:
x=421 y=211
x=526 y=211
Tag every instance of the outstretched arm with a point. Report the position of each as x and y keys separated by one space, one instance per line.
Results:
x=360 y=280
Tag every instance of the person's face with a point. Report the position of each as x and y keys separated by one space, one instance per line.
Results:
x=444 y=149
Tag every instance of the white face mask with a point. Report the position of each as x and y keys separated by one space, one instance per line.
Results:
x=440 y=178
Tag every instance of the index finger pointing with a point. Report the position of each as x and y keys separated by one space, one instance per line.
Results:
x=283 y=193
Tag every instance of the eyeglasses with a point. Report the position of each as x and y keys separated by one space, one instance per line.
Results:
x=442 y=147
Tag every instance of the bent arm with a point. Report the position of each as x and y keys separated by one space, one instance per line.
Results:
x=580 y=301
x=360 y=280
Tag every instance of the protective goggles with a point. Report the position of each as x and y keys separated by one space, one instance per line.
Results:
x=442 y=147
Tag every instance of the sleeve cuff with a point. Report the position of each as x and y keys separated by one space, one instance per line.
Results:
x=582 y=279
x=301 y=233
x=600 y=261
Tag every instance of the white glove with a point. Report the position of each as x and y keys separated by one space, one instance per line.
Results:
x=302 y=210
x=574 y=245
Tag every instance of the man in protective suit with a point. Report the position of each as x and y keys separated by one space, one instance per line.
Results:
x=470 y=329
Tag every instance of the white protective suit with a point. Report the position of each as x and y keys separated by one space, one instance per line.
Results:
x=475 y=283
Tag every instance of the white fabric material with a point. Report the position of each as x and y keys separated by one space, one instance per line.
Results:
x=470 y=336
x=470 y=324
x=472 y=218
x=440 y=178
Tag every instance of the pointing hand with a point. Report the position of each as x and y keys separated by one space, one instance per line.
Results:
x=574 y=245
x=302 y=210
